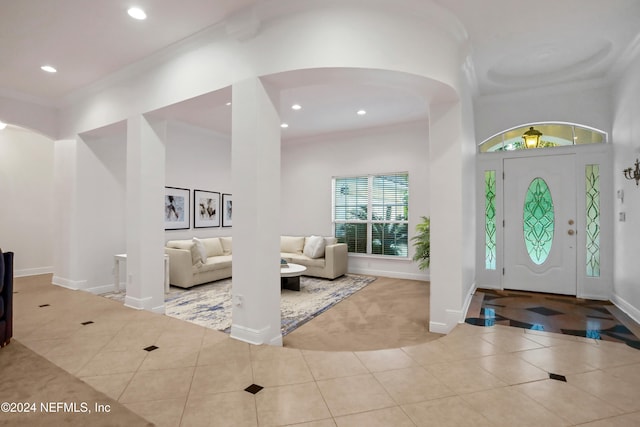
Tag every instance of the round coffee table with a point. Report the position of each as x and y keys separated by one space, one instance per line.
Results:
x=290 y=276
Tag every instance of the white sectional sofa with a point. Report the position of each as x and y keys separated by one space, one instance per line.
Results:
x=196 y=261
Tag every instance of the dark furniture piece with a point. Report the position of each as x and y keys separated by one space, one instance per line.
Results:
x=6 y=297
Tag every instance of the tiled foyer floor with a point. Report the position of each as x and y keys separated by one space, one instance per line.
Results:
x=475 y=376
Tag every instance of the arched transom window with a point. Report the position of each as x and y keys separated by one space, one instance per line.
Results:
x=542 y=135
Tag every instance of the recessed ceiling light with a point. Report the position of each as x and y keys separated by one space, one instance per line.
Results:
x=296 y=107
x=137 y=13
x=361 y=112
x=48 y=69
x=284 y=125
x=2 y=125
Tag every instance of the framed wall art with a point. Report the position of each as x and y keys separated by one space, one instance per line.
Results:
x=206 y=209
x=227 y=211
x=176 y=208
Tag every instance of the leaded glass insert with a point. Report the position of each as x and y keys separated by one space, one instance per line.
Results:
x=538 y=220
x=490 y=219
x=592 y=180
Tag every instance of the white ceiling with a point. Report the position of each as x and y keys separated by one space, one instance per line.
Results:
x=515 y=45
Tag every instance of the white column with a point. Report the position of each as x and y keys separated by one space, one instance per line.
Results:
x=256 y=218
x=446 y=210
x=145 y=226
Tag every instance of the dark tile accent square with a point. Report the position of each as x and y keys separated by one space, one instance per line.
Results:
x=151 y=348
x=43 y=305
x=544 y=311
x=557 y=377
x=87 y=322
x=253 y=388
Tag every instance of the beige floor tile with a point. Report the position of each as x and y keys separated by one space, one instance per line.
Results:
x=628 y=372
x=127 y=340
x=236 y=409
x=511 y=341
x=511 y=369
x=222 y=351
x=446 y=412
x=464 y=376
x=164 y=384
x=548 y=339
x=81 y=343
x=412 y=385
x=567 y=401
x=162 y=413
x=267 y=352
x=563 y=360
x=326 y=365
x=175 y=357
x=627 y=420
x=429 y=353
x=231 y=376
x=609 y=355
x=281 y=371
x=322 y=423
x=291 y=404
x=350 y=395
x=506 y=407
x=384 y=360
x=619 y=392
x=381 y=418
x=113 y=362
x=461 y=347
x=111 y=385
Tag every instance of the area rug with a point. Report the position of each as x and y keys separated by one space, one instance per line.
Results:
x=209 y=305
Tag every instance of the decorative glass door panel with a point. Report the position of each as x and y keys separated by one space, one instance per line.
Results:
x=540 y=224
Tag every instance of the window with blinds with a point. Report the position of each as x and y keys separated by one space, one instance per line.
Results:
x=371 y=213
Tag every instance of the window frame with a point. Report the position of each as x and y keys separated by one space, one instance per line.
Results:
x=370 y=211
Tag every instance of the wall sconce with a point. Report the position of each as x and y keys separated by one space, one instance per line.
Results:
x=629 y=173
x=531 y=138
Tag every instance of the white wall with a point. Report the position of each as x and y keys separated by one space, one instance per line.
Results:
x=586 y=103
x=101 y=209
x=308 y=166
x=26 y=194
x=197 y=159
x=626 y=138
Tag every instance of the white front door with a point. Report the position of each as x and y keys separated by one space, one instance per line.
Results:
x=540 y=224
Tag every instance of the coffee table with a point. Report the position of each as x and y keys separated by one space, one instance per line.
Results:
x=290 y=276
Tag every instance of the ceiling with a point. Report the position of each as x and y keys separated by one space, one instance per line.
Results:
x=515 y=45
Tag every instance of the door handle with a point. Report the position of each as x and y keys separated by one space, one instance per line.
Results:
x=571 y=232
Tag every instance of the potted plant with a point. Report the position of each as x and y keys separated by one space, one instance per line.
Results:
x=421 y=243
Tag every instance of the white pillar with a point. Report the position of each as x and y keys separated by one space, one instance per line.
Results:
x=256 y=218
x=446 y=210
x=145 y=226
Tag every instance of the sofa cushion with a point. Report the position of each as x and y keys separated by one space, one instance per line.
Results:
x=215 y=263
x=213 y=246
x=330 y=240
x=188 y=245
x=304 y=260
x=202 y=251
x=314 y=246
x=226 y=245
x=292 y=244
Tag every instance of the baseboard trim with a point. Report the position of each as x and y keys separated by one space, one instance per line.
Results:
x=137 y=303
x=102 y=289
x=467 y=302
x=32 y=271
x=392 y=274
x=74 y=285
x=626 y=307
x=255 y=336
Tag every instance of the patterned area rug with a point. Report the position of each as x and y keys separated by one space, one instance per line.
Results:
x=209 y=305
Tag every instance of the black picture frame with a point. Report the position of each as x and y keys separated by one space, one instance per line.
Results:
x=227 y=210
x=177 y=203
x=206 y=209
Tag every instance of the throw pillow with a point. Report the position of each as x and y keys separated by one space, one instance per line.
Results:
x=226 y=245
x=213 y=246
x=330 y=240
x=188 y=245
x=314 y=247
x=291 y=244
x=202 y=251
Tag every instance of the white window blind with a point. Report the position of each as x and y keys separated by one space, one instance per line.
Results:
x=370 y=213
